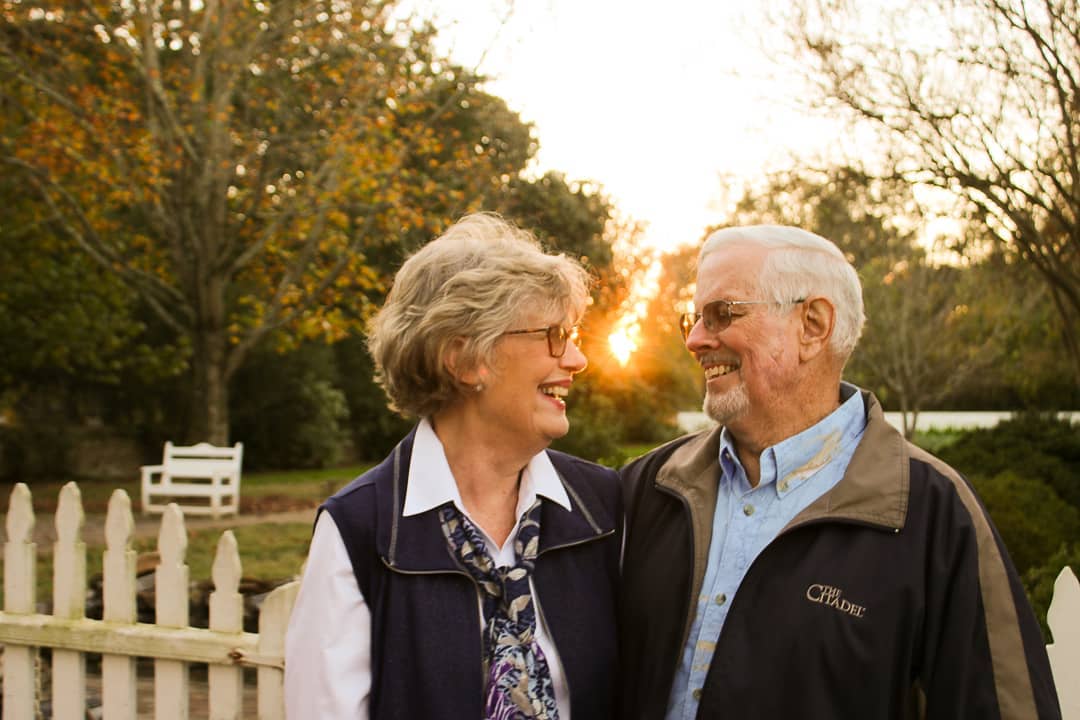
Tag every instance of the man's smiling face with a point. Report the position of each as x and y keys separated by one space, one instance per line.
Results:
x=748 y=365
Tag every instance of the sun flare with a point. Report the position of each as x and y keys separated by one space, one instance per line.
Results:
x=625 y=338
x=622 y=344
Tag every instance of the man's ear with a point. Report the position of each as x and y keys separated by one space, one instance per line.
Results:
x=818 y=319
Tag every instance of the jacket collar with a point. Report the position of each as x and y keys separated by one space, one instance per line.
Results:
x=415 y=542
x=874 y=488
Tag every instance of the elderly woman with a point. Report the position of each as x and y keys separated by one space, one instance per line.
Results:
x=472 y=574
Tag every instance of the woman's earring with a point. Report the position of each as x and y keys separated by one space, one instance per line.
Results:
x=478 y=387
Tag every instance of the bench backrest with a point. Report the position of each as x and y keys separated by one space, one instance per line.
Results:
x=202 y=460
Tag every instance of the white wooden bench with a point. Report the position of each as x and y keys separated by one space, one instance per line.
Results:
x=194 y=472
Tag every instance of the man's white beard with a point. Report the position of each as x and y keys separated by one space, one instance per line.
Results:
x=728 y=405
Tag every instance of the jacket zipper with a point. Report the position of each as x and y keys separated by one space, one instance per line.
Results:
x=540 y=610
x=562 y=669
x=691 y=610
x=545 y=551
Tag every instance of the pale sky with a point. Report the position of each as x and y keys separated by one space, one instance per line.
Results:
x=656 y=102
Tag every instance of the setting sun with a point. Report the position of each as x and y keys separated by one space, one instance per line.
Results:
x=625 y=339
x=622 y=345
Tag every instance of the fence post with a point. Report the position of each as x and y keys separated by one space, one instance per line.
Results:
x=1063 y=617
x=69 y=603
x=20 y=586
x=273 y=621
x=226 y=615
x=171 y=610
x=118 y=569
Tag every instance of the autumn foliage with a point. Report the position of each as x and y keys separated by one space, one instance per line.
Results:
x=252 y=170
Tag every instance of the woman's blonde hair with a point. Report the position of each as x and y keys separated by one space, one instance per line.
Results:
x=467 y=287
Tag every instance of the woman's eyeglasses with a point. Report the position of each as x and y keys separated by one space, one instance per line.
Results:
x=557 y=336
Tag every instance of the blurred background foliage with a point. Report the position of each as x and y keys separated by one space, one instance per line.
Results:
x=197 y=230
x=198 y=224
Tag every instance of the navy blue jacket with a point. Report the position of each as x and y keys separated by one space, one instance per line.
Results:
x=426 y=641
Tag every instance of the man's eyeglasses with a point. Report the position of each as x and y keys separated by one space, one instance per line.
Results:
x=717 y=314
x=557 y=336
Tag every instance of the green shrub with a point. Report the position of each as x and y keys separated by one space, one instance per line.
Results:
x=936 y=440
x=32 y=453
x=1032 y=445
x=288 y=410
x=1032 y=519
x=596 y=429
x=373 y=427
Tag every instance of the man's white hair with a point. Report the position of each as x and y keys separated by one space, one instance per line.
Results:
x=800 y=264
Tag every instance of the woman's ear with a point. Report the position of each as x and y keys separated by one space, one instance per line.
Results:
x=818 y=319
x=454 y=363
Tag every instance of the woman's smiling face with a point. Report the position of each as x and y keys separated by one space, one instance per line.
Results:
x=525 y=390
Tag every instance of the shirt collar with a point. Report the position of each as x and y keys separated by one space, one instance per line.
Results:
x=431 y=483
x=796 y=459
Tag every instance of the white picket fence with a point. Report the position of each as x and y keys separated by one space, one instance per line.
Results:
x=118 y=637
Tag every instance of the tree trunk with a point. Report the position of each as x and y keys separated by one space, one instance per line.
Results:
x=907 y=414
x=1069 y=314
x=909 y=430
x=210 y=411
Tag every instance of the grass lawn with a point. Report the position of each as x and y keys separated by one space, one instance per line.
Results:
x=260 y=492
x=267 y=552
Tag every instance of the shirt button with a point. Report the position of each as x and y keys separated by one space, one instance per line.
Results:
x=697 y=694
x=721 y=599
x=748 y=510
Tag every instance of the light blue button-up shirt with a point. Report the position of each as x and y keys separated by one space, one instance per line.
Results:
x=794 y=473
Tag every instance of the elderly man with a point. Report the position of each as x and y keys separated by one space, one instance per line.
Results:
x=802 y=560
